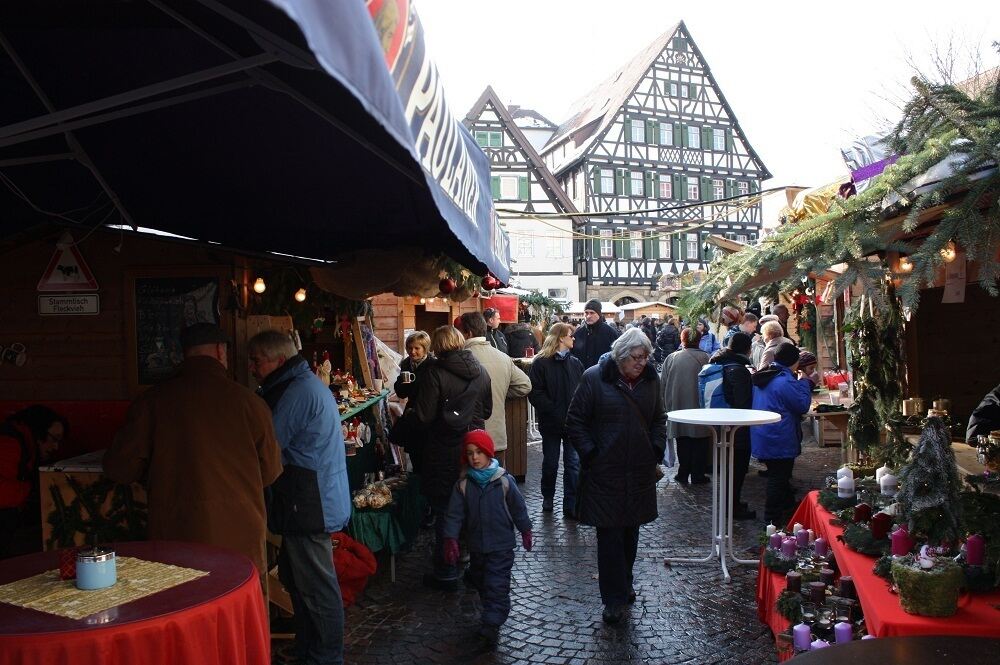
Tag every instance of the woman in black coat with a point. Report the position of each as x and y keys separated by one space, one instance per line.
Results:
x=555 y=374
x=519 y=338
x=617 y=424
x=458 y=384
x=417 y=361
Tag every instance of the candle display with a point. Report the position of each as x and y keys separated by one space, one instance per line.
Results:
x=775 y=541
x=826 y=576
x=788 y=547
x=818 y=644
x=843 y=632
x=975 y=550
x=793 y=581
x=845 y=472
x=817 y=592
x=847 y=587
x=845 y=488
x=880 y=524
x=862 y=513
x=881 y=471
x=821 y=546
x=802 y=538
x=801 y=637
x=901 y=541
x=770 y=530
x=889 y=484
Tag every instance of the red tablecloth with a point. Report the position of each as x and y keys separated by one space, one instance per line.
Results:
x=884 y=617
x=217 y=619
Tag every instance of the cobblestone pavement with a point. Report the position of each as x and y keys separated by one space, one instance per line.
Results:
x=685 y=613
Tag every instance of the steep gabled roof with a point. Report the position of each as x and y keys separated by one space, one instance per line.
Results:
x=530 y=118
x=591 y=115
x=490 y=98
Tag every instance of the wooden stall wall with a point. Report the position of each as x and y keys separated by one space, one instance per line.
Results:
x=394 y=315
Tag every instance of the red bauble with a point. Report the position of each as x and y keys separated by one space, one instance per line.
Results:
x=447 y=285
x=475 y=294
x=491 y=283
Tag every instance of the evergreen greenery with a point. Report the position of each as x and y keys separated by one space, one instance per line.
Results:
x=929 y=488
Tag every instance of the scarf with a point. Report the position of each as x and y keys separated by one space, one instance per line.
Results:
x=482 y=476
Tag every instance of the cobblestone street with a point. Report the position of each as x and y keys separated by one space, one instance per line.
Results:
x=684 y=613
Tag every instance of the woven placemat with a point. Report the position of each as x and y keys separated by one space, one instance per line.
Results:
x=137 y=579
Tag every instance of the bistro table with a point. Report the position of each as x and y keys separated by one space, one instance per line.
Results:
x=728 y=421
x=213 y=620
x=922 y=650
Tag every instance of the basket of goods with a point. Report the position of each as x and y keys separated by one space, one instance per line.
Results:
x=374 y=496
x=928 y=585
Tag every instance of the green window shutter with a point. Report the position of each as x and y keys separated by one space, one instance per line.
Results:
x=595 y=180
x=680 y=135
x=754 y=186
x=523 y=190
x=675 y=247
x=650 y=185
x=729 y=140
x=619 y=245
x=692 y=91
x=595 y=243
x=730 y=188
x=495 y=187
x=620 y=184
x=652 y=135
x=707 y=193
x=652 y=246
x=682 y=247
x=626 y=245
x=683 y=196
x=676 y=184
x=706 y=138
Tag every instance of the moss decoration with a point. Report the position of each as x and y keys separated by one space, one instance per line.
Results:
x=776 y=563
x=883 y=567
x=981 y=514
x=929 y=593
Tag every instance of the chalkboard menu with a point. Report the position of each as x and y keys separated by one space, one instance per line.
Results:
x=163 y=307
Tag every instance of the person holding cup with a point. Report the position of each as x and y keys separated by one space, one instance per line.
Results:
x=416 y=363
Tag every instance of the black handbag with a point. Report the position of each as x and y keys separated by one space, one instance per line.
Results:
x=294 y=502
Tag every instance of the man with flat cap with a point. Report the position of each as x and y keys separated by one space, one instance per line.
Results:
x=204 y=447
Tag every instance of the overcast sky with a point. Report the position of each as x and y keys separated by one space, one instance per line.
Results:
x=803 y=78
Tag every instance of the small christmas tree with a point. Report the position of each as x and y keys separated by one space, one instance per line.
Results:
x=929 y=494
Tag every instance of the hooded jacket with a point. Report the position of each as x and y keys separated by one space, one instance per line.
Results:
x=667 y=341
x=489 y=523
x=553 y=381
x=776 y=389
x=590 y=342
x=447 y=379
x=507 y=381
x=619 y=448
x=708 y=343
x=725 y=383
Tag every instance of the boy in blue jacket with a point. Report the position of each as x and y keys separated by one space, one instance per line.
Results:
x=778 y=444
x=486 y=500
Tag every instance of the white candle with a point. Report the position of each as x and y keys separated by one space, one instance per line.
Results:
x=771 y=529
x=881 y=471
x=812 y=536
x=845 y=472
x=889 y=484
x=796 y=528
x=845 y=488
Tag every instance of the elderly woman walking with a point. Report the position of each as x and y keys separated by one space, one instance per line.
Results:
x=617 y=424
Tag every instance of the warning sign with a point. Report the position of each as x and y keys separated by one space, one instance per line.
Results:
x=67 y=271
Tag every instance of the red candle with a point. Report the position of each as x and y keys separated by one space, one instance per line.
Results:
x=880 y=524
x=901 y=541
x=817 y=592
x=793 y=581
x=847 y=587
x=975 y=550
x=862 y=513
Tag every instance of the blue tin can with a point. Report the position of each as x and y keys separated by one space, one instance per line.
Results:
x=95 y=569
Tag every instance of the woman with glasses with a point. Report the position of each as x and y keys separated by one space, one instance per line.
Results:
x=617 y=424
x=28 y=437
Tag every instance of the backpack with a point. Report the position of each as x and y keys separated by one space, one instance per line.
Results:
x=457 y=412
x=504 y=482
x=710 y=393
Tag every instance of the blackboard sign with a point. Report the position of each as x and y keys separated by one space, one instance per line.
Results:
x=163 y=307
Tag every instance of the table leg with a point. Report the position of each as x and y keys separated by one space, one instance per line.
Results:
x=729 y=526
x=714 y=551
x=723 y=461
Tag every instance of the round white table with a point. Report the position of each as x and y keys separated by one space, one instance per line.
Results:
x=723 y=424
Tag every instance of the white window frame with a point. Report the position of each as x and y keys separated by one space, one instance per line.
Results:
x=509 y=188
x=743 y=187
x=664 y=247
x=665 y=186
x=554 y=248
x=525 y=247
x=694 y=137
x=607 y=244
x=636 y=184
x=692 y=245
x=635 y=244
x=674 y=89
x=637 y=130
x=741 y=238
x=694 y=190
x=685 y=90
x=718 y=139
x=607 y=181
x=666 y=133
x=718 y=188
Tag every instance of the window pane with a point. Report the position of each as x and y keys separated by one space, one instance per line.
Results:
x=673 y=89
x=607 y=181
x=607 y=248
x=635 y=244
x=719 y=140
x=664 y=248
x=508 y=187
x=482 y=138
x=693 y=192
x=666 y=187
x=666 y=133
x=636 y=179
x=525 y=247
x=718 y=189
x=694 y=137
x=496 y=139
x=684 y=90
x=638 y=131
x=741 y=238
x=743 y=187
x=691 y=239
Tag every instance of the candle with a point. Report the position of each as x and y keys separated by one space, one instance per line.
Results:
x=818 y=644
x=775 y=541
x=798 y=527
x=788 y=548
x=793 y=581
x=889 y=484
x=812 y=536
x=845 y=488
x=975 y=550
x=801 y=538
x=901 y=541
x=817 y=592
x=847 y=587
x=881 y=471
x=801 y=637
x=821 y=546
x=862 y=513
x=843 y=632
x=868 y=637
x=770 y=530
x=826 y=576
x=880 y=524
x=845 y=472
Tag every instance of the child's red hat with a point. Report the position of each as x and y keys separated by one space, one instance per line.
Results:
x=480 y=439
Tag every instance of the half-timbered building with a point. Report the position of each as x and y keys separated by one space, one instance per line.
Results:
x=541 y=249
x=652 y=153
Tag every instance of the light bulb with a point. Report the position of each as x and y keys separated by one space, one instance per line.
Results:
x=948 y=252
x=300 y=295
x=259 y=286
x=423 y=301
x=905 y=264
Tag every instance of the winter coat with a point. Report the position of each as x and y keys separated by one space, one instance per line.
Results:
x=307 y=424
x=733 y=329
x=679 y=379
x=496 y=339
x=725 y=383
x=403 y=433
x=519 y=338
x=667 y=341
x=591 y=342
x=619 y=448
x=776 y=389
x=205 y=448
x=770 y=348
x=709 y=343
x=408 y=390
x=489 y=523
x=985 y=418
x=17 y=463
x=553 y=381
x=507 y=381
x=449 y=378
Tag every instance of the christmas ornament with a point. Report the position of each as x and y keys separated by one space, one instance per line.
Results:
x=447 y=285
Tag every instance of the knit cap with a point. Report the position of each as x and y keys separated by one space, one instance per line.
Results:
x=480 y=439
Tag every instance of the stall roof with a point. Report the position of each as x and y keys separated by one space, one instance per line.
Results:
x=642 y=305
x=239 y=122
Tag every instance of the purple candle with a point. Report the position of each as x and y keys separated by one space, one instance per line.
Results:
x=826 y=576
x=847 y=587
x=843 y=632
x=817 y=592
x=818 y=644
x=821 y=546
x=788 y=547
x=801 y=637
x=802 y=538
x=975 y=550
x=793 y=581
x=775 y=541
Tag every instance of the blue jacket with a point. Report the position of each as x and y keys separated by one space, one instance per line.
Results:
x=307 y=425
x=776 y=389
x=709 y=342
x=489 y=525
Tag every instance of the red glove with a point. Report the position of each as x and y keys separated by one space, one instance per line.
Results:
x=526 y=540
x=450 y=551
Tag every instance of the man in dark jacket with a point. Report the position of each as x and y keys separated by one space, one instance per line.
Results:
x=778 y=444
x=493 y=334
x=985 y=418
x=726 y=385
x=594 y=338
x=667 y=340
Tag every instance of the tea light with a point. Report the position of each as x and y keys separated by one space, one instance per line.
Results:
x=843 y=632
x=845 y=472
x=889 y=484
x=868 y=637
x=817 y=592
x=788 y=547
x=802 y=538
x=881 y=471
x=845 y=487
x=975 y=550
x=801 y=637
x=793 y=581
x=821 y=546
x=775 y=541
x=770 y=530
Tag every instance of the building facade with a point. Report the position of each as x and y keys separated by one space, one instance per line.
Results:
x=541 y=249
x=657 y=158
